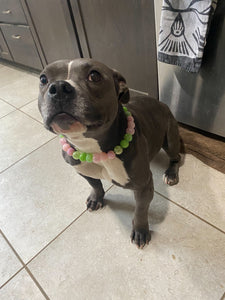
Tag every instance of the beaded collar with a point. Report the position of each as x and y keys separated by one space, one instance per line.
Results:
x=102 y=156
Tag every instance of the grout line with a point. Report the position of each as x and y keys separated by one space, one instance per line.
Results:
x=61 y=232
x=15 y=108
x=24 y=267
x=8 y=103
x=10 y=245
x=193 y=214
x=30 y=101
x=20 y=110
x=37 y=283
x=27 y=155
x=26 y=114
x=7 y=114
x=111 y=186
x=17 y=256
x=14 y=275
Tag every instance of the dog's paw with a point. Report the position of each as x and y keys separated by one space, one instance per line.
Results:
x=140 y=237
x=93 y=203
x=170 y=178
x=95 y=200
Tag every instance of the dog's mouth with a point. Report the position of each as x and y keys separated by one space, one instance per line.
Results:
x=64 y=122
x=94 y=125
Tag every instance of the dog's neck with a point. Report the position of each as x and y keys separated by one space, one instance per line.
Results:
x=103 y=140
x=88 y=145
x=109 y=138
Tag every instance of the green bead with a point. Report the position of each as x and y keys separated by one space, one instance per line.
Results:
x=124 y=143
x=82 y=156
x=89 y=157
x=128 y=137
x=127 y=113
x=76 y=154
x=118 y=150
x=61 y=136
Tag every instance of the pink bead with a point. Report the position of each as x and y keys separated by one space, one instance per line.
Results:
x=70 y=151
x=130 y=131
x=111 y=155
x=130 y=119
x=103 y=156
x=62 y=141
x=96 y=158
x=66 y=147
x=131 y=124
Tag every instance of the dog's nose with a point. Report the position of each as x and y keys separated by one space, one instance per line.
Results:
x=61 y=90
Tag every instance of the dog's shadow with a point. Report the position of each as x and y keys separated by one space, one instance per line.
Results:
x=123 y=203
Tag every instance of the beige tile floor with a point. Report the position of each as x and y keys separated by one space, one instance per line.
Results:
x=52 y=248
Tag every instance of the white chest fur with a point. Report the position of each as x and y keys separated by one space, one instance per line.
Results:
x=109 y=170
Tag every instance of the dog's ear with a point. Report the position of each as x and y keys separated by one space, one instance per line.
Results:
x=121 y=87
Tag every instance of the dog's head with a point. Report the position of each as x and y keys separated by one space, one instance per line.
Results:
x=80 y=96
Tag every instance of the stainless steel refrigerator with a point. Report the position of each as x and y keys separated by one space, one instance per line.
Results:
x=198 y=99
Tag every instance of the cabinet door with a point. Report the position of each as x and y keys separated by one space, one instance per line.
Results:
x=21 y=45
x=4 y=50
x=11 y=12
x=122 y=35
x=54 y=28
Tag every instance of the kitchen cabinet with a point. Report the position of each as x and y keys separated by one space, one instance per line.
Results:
x=4 y=50
x=118 y=33
x=21 y=45
x=122 y=35
x=16 y=40
x=11 y=11
x=55 y=29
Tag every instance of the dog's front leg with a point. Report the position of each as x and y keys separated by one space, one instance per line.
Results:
x=95 y=199
x=140 y=234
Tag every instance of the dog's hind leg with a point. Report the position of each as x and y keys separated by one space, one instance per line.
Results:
x=172 y=148
x=95 y=199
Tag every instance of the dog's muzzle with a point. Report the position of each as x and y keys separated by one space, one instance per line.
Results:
x=64 y=114
x=61 y=91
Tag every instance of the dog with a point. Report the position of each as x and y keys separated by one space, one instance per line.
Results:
x=106 y=134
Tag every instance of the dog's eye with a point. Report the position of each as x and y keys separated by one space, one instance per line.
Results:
x=94 y=76
x=43 y=79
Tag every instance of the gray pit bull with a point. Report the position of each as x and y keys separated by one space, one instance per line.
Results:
x=83 y=100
